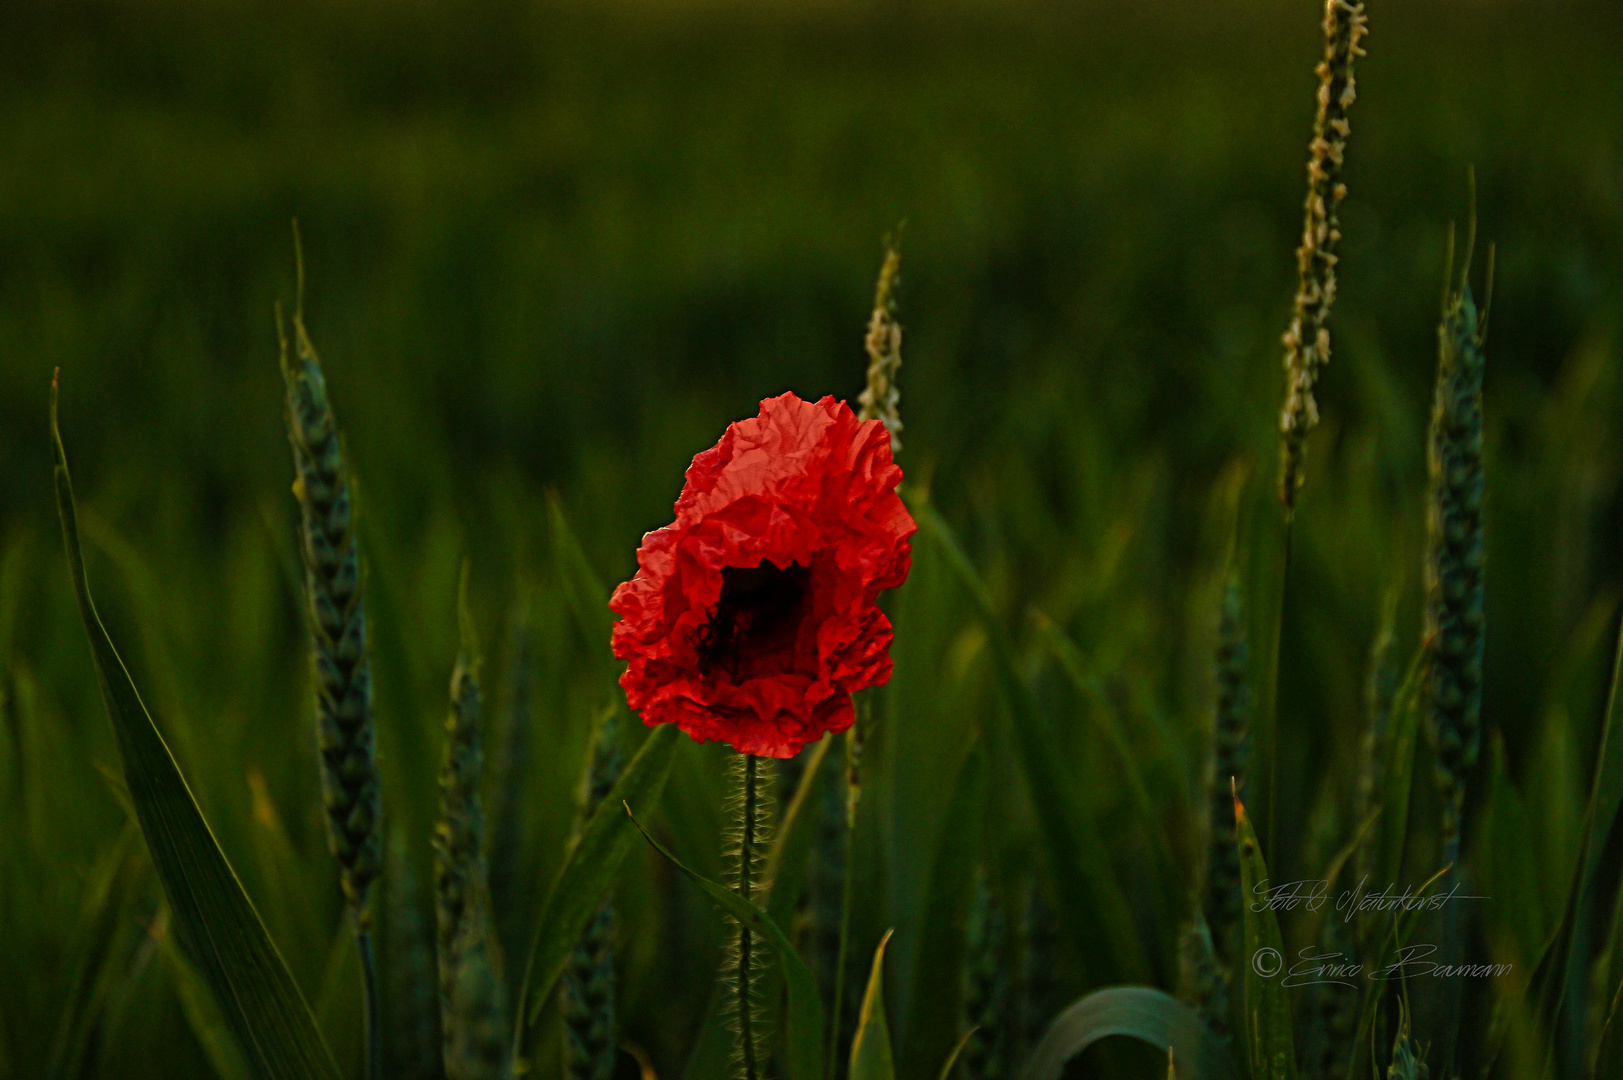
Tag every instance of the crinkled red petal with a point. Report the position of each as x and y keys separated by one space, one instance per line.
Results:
x=801 y=483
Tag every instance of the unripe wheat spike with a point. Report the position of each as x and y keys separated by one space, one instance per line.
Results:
x=351 y=788
x=985 y=987
x=471 y=1005
x=1455 y=622
x=1202 y=982
x=1230 y=765
x=587 y=988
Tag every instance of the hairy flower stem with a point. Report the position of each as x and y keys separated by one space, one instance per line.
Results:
x=351 y=785
x=752 y=802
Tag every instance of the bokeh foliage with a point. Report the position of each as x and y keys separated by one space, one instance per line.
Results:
x=561 y=246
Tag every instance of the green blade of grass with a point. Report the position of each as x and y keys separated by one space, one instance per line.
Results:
x=870 y=1049
x=111 y=884
x=583 y=589
x=1269 y=1046
x=1080 y=862
x=936 y=966
x=1149 y=1015
x=215 y=921
x=1381 y=975
x=1554 y=974
x=1104 y=722
x=803 y=1017
x=587 y=874
x=786 y=862
x=1398 y=769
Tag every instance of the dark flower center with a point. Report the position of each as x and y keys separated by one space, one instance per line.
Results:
x=755 y=619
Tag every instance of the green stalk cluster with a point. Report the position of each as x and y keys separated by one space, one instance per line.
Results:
x=752 y=803
x=1231 y=762
x=587 y=994
x=985 y=988
x=1307 y=340
x=1454 y=564
x=471 y=997
x=351 y=786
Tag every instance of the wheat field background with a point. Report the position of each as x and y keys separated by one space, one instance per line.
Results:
x=557 y=247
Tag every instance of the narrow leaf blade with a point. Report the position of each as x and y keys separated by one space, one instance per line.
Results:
x=587 y=873
x=1267 y=1004
x=1080 y=862
x=215 y=921
x=803 y=1020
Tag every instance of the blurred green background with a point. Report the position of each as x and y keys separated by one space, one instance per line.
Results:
x=562 y=245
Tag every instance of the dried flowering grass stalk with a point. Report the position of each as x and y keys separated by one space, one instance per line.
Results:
x=1307 y=340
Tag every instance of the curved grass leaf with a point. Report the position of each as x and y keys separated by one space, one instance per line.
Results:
x=1083 y=874
x=215 y=921
x=1267 y=1003
x=588 y=871
x=957 y=1052
x=870 y=1049
x=803 y=1019
x=1149 y=1015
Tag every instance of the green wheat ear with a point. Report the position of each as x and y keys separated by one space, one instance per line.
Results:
x=1202 y=982
x=1328 y=1010
x=1039 y=989
x=1455 y=620
x=1307 y=339
x=1408 y=1058
x=1230 y=766
x=587 y=987
x=985 y=987
x=408 y=951
x=471 y=997
x=351 y=786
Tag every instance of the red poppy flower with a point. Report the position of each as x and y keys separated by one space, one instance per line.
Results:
x=753 y=618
